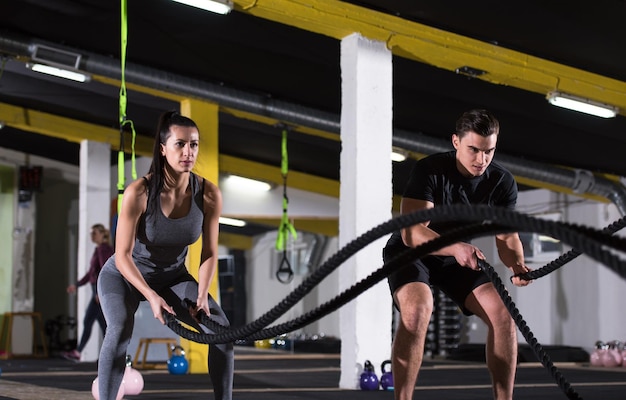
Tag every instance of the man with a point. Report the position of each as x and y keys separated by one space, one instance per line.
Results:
x=463 y=176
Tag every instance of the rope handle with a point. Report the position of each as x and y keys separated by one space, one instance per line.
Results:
x=284 y=274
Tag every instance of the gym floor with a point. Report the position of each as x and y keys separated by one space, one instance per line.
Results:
x=264 y=374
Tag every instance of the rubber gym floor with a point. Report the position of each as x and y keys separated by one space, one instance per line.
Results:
x=268 y=374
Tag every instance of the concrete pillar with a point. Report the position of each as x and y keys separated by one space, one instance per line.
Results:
x=93 y=207
x=365 y=200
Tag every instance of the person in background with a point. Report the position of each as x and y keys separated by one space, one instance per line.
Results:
x=468 y=176
x=101 y=237
x=162 y=214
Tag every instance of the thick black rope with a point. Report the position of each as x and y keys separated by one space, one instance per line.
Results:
x=536 y=347
x=330 y=306
x=568 y=256
x=452 y=212
x=585 y=238
x=403 y=259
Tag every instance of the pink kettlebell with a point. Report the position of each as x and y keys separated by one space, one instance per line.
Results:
x=133 y=380
x=595 y=358
x=96 y=394
x=613 y=356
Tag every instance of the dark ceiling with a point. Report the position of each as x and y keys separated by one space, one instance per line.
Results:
x=278 y=62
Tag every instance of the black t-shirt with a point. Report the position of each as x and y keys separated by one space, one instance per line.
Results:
x=436 y=179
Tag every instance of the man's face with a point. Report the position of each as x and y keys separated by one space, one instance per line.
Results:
x=474 y=152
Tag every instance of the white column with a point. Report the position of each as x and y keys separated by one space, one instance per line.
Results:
x=365 y=200
x=94 y=206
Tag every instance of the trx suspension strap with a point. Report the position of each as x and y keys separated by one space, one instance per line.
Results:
x=123 y=121
x=284 y=273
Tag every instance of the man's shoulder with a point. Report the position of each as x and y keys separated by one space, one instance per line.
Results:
x=437 y=158
x=499 y=168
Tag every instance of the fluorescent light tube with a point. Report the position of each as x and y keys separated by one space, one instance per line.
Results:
x=246 y=184
x=582 y=105
x=232 y=222
x=216 y=6
x=62 y=73
x=397 y=156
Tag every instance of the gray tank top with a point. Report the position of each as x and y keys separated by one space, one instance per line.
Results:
x=161 y=242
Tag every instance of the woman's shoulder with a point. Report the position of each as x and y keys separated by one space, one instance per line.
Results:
x=212 y=194
x=138 y=186
x=136 y=193
x=205 y=185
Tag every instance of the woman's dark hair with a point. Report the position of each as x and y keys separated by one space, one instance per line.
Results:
x=479 y=121
x=155 y=183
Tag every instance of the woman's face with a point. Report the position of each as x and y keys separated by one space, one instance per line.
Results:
x=97 y=235
x=181 y=148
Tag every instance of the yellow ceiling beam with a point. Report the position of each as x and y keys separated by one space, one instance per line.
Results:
x=68 y=129
x=272 y=121
x=75 y=131
x=272 y=174
x=439 y=48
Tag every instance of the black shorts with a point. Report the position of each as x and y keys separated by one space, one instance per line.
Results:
x=444 y=273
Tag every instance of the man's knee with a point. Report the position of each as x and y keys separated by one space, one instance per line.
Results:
x=416 y=317
x=415 y=302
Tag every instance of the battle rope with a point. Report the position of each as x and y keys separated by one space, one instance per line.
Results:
x=537 y=349
x=567 y=257
x=591 y=242
x=380 y=274
x=588 y=239
x=284 y=273
x=121 y=179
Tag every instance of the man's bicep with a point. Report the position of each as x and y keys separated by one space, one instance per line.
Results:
x=409 y=205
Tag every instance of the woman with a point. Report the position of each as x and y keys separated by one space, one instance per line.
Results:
x=162 y=213
x=101 y=237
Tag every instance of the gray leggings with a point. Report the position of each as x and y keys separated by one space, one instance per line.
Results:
x=120 y=300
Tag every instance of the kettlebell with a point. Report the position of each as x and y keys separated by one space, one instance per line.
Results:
x=595 y=359
x=177 y=364
x=613 y=356
x=386 y=379
x=369 y=380
x=132 y=380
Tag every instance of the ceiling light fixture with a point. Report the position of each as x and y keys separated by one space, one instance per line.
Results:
x=57 y=62
x=246 y=184
x=582 y=105
x=59 y=72
x=232 y=222
x=398 y=155
x=216 y=6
